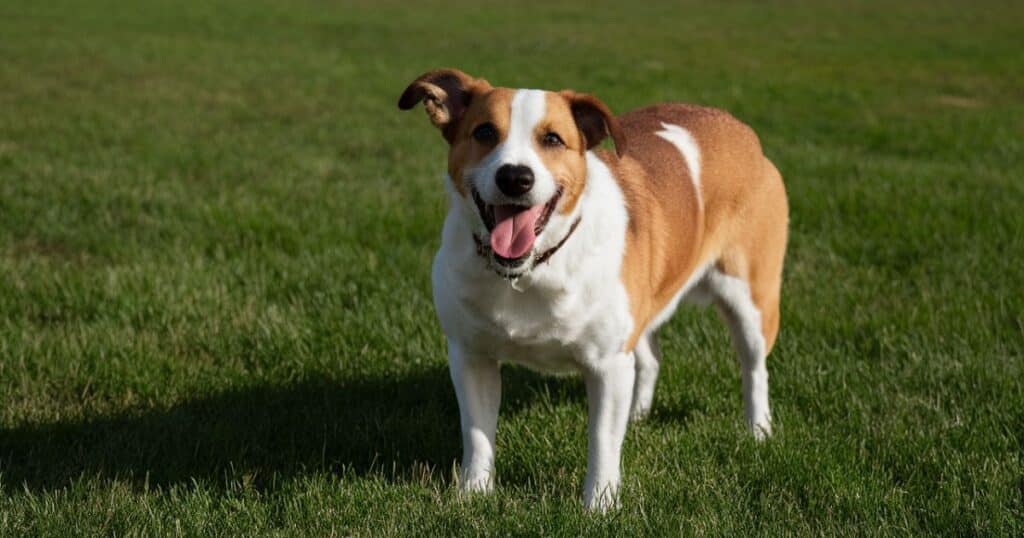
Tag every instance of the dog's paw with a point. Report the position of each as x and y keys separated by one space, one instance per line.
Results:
x=639 y=413
x=761 y=429
x=476 y=482
x=602 y=498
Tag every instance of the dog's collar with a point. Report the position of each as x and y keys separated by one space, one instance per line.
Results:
x=551 y=251
x=483 y=250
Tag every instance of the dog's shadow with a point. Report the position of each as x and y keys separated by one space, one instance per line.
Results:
x=394 y=427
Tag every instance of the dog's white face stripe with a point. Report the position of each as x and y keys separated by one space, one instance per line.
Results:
x=683 y=140
x=527 y=109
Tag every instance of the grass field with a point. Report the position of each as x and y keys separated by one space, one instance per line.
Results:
x=216 y=230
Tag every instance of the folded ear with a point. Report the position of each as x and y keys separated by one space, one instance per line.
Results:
x=594 y=120
x=446 y=93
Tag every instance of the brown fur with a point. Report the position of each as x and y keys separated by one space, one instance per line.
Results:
x=492 y=106
x=568 y=165
x=740 y=226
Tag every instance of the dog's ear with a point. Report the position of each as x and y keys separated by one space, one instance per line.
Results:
x=446 y=94
x=594 y=120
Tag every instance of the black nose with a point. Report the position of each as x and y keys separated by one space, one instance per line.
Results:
x=514 y=179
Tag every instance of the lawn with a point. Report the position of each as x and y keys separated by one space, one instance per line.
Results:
x=216 y=230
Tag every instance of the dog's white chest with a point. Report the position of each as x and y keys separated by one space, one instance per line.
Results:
x=551 y=330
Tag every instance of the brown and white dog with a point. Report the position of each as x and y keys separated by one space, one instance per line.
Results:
x=564 y=257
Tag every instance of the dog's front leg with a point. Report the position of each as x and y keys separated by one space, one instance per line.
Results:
x=609 y=393
x=477 y=383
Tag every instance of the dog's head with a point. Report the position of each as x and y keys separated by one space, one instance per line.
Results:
x=517 y=158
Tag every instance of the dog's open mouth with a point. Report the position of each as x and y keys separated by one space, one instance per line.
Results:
x=514 y=228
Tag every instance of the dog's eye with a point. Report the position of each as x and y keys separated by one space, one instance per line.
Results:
x=552 y=140
x=485 y=133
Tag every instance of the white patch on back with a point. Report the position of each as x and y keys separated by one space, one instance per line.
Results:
x=684 y=141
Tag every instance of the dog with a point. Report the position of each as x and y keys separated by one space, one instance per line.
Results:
x=566 y=257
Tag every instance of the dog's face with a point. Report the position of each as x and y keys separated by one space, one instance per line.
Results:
x=517 y=159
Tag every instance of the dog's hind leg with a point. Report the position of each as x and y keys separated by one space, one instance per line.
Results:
x=734 y=302
x=648 y=361
x=746 y=284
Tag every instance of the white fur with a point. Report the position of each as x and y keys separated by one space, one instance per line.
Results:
x=609 y=392
x=478 y=389
x=682 y=139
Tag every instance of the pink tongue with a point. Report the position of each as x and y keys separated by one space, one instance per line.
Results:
x=513 y=235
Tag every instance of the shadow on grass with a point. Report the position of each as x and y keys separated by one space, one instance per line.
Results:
x=395 y=428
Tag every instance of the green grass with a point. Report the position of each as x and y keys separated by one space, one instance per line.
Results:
x=216 y=230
